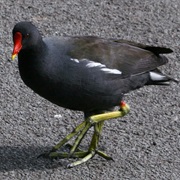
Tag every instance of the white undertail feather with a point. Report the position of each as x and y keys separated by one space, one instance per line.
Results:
x=157 y=76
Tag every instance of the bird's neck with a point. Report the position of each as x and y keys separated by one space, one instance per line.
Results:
x=37 y=48
x=33 y=52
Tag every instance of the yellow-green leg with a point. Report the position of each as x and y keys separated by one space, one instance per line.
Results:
x=97 y=121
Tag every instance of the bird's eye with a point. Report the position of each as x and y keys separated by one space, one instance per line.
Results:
x=27 y=36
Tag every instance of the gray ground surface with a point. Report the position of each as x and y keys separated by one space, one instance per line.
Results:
x=146 y=146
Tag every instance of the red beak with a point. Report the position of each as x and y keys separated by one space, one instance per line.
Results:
x=17 y=44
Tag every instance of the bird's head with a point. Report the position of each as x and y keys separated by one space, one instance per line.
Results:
x=25 y=35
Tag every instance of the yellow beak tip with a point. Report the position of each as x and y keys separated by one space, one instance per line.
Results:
x=13 y=56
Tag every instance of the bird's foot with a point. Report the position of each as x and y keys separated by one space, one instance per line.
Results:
x=80 y=131
x=83 y=156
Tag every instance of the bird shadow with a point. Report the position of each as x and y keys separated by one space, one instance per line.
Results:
x=20 y=158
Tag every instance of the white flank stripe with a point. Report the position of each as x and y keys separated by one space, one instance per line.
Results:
x=102 y=67
x=75 y=60
x=111 y=71
x=94 y=64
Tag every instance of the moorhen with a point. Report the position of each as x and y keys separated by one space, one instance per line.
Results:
x=89 y=74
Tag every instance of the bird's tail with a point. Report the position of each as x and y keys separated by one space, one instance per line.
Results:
x=157 y=78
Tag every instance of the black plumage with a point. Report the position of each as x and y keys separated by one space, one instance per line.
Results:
x=56 y=68
x=89 y=74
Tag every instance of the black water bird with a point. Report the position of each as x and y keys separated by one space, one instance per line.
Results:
x=88 y=74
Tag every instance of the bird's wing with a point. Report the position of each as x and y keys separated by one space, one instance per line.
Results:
x=128 y=57
x=156 y=50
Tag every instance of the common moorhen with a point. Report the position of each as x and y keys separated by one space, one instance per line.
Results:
x=88 y=74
